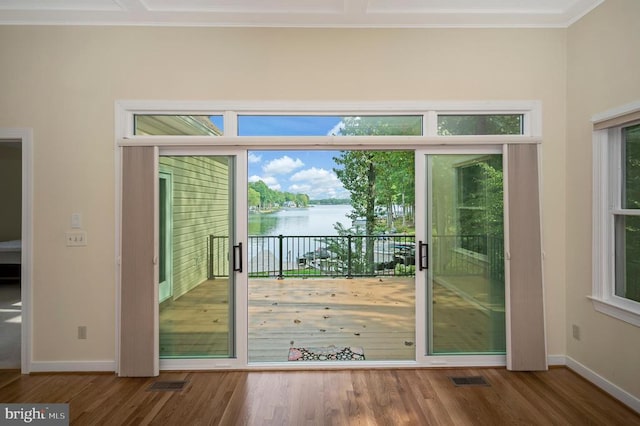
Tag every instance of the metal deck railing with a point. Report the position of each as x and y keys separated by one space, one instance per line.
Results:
x=350 y=256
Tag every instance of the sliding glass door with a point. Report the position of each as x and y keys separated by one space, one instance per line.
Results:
x=344 y=293
x=463 y=254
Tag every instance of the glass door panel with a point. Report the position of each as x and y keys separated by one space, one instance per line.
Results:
x=196 y=316
x=466 y=298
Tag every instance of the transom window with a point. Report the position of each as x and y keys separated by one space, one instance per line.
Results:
x=480 y=124
x=178 y=125
x=270 y=122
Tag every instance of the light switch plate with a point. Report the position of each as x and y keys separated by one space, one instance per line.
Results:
x=76 y=220
x=76 y=238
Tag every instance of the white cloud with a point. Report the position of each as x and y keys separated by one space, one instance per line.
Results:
x=282 y=165
x=318 y=183
x=314 y=174
x=253 y=158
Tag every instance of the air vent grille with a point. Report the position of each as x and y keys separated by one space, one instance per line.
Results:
x=469 y=381
x=167 y=386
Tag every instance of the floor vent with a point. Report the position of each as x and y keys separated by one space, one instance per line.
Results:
x=469 y=381
x=167 y=386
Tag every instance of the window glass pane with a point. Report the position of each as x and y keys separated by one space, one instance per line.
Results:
x=628 y=257
x=631 y=162
x=494 y=124
x=325 y=125
x=178 y=125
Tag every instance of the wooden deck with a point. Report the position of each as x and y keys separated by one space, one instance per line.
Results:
x=376 y=314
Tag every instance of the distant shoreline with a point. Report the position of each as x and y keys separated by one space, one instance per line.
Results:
x=281 y=208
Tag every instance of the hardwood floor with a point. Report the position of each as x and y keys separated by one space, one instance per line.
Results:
x=349 y=397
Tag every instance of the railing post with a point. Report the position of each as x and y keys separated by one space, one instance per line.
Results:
x=210 y=257
x=349 y=276
x=280 y=252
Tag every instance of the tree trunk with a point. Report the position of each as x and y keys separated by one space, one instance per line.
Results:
x=370 y=216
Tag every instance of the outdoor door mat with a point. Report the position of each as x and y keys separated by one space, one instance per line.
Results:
x=167 y=386
x=328 y=353
x=469 y=381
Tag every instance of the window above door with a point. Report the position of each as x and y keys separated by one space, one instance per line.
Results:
x=345 y=124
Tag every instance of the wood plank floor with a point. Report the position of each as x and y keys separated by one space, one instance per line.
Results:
x=376 y=314
x=346 y=397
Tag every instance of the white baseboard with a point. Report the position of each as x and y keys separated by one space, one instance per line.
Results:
x=71 y=366
x=604 y=384
x=555 y=360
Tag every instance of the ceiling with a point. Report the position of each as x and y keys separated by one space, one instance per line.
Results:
x=298 y=13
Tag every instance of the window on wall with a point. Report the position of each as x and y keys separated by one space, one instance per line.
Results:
x=627 y=219
x=479 y=203
x=616 y=286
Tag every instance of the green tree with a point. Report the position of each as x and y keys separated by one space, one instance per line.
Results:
x=358 y=176
x=383 y=177
x=253 y=197
x=395 y=183
x=302 y=200
x=266 y=199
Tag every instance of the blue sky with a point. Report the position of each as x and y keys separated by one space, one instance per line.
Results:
x=308 y=172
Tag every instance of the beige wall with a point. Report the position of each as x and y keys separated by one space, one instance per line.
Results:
x=10 y=191
x=63 y=82
x=603 y=73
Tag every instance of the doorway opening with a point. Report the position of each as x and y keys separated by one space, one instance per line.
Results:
x=331 y=256
x=11 y=193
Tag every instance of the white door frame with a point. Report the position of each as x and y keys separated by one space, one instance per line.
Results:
x=25 y=137
x=238 y=279
x=423 y=278
x=431 y=142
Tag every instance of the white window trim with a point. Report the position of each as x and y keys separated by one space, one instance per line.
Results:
x=531 y=111
x=606 y=181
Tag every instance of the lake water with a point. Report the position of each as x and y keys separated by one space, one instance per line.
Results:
x=315 y=220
